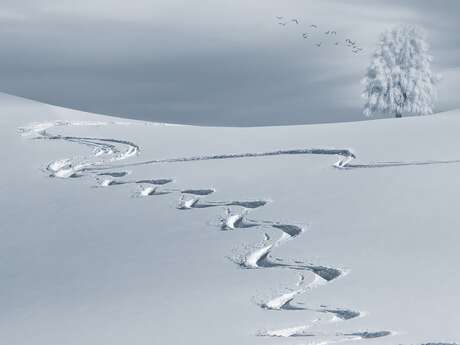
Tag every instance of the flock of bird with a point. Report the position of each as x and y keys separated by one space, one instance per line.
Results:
x=355 y=48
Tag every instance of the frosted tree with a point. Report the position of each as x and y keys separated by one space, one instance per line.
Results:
x=399 y=79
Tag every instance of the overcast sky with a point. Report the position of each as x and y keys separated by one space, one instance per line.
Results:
x=214 y=62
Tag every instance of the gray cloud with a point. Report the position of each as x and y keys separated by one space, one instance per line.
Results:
x=218 y=63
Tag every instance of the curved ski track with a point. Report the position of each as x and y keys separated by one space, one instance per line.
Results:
x=106 y=152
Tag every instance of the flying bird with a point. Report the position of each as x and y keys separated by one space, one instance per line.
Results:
x=314 y=26
x=279 y=18
x=327 y=32
x=319 y=44
x=295 y=21
x=336 y=43
x=283 y=24
x=305 y=35
x=333 y=32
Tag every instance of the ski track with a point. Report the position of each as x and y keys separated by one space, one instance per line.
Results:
x=146 y=191
x=115 y=174
x=201 y=192
x=105 y=152
x=345 y=155
x=324 y=338
x=197 y=202
x=284 y=301
x=232 y=221
x=108 y=181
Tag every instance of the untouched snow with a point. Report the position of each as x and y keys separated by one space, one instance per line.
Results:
x=366 y=213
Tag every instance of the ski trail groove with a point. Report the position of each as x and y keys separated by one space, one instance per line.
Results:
x=110 y=150
x=232 y=221
x=284 y=301
x=201 y=192
x=345 y=155
x=324 y=338
x=115 y=174
x=197 y=202
x=146 y=191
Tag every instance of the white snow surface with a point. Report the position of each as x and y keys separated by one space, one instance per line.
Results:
x=88 y=265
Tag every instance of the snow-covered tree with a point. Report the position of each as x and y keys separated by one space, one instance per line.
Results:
x=399 y=79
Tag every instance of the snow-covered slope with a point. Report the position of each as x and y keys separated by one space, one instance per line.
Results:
x=125 y=232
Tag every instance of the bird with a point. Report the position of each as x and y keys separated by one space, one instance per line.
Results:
x=333 y=32
x=279 y=17
x=327 y=32
x=295 y=21
x=283 y=24
x=319 y=44
x=305 y=35
x=314 y=26
x=336 y=43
